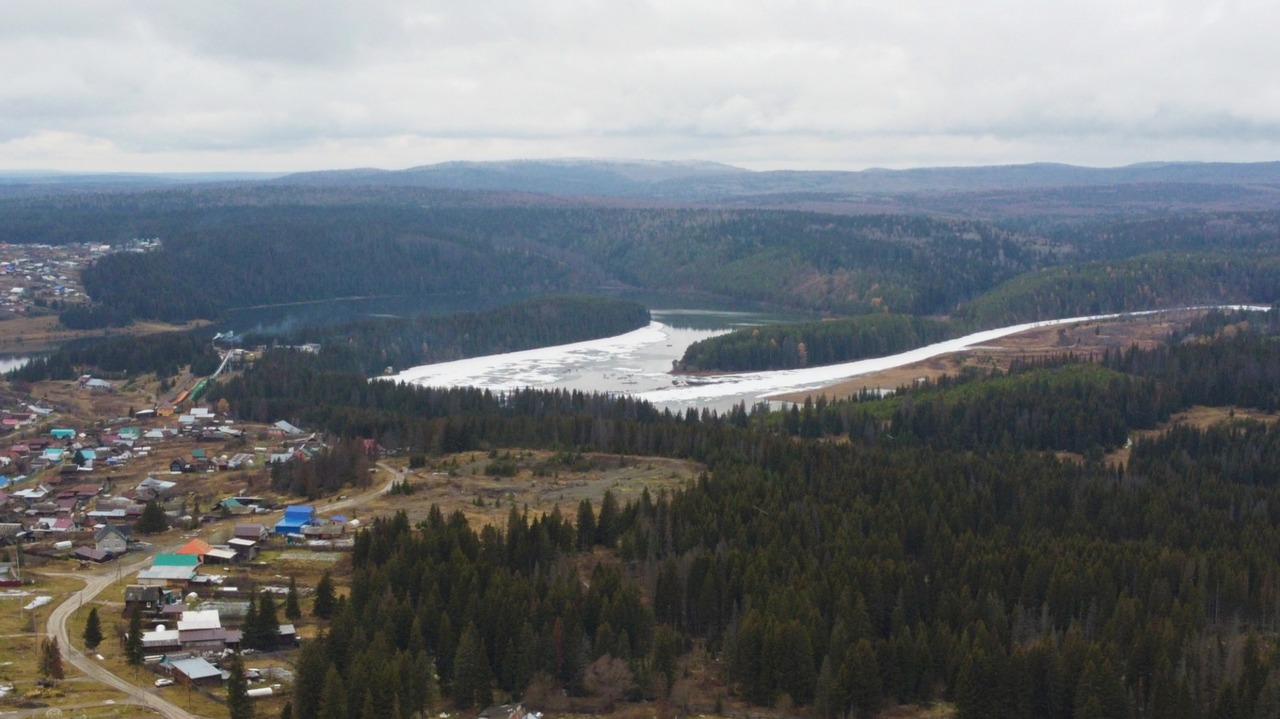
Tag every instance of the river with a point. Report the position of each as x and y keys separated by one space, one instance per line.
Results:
x=638 y=363
x=9 y=363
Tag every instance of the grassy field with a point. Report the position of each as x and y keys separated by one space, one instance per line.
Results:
x=42 y=333
x=537 y=480
x=1198 y=417
x=1083 y=339
x=21 y=634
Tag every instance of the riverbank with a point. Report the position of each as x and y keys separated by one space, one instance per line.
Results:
x=33 y=335
x=1087 y=338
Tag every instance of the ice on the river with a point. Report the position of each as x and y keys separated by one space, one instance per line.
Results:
x=538 y=367
x=638 y=363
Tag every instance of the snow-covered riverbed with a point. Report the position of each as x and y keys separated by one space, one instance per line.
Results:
x=638 y=363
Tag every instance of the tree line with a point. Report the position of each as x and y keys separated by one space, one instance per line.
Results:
x=372 y=345
x=811 y=344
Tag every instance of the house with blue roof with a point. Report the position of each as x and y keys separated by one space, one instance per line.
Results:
x=295 y=518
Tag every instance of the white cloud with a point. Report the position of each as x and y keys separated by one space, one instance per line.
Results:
x=304 y=85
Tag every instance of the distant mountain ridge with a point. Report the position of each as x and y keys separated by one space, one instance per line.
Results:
x=695 y=181
x=705 y=181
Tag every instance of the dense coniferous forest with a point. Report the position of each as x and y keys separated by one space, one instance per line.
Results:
x=809 y=344
x=259 y=256
x=372 y=345
x=1162 y=279
x=236 y=246
x=163 y=354
x=368 y=346
x=934 y=550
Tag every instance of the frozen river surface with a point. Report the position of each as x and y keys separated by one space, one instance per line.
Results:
x=638 y=363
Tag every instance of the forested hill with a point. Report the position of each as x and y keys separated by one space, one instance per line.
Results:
x=235 y=245
x=373 y=345
x=1163 y=279
x=1155 y=280
x=222 y=258
x=839 y=560
x=367 y=347
x=812 y=344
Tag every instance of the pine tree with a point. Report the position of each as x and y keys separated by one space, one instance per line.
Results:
x=291 y=609
x=286 y=712
x=92 y=630
x=133 y=642
x=323 y=605
x=239 y=705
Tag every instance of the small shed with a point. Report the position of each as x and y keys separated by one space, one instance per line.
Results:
x=255 y=531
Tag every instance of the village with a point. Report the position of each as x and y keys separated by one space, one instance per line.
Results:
x=157 y=507
x=34 y=278
x=177 y=508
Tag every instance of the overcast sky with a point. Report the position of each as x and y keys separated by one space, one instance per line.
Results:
x=277 y=85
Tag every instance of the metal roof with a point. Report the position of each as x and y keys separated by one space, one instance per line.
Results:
x=195 y=668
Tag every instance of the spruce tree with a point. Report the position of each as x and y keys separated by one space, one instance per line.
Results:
x=133 y=642
x=607 y=521
x=251 y=628
x=863 y=672
x=92 y=630
x=323 y=604
x=268 y=621
x=291 y=608
x=586 y=525
x=333 y=698
x=239 y=705
x=472 y=677
x=152 y=520
x=309 y=678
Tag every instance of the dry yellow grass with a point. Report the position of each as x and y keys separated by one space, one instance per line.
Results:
x=1082 y=339
x=543 y=482
x=42 y=333
x=1199 y=417
x=21 y=634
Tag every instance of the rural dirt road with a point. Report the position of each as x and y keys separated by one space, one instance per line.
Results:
x=100 y=579
x=57 y=627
